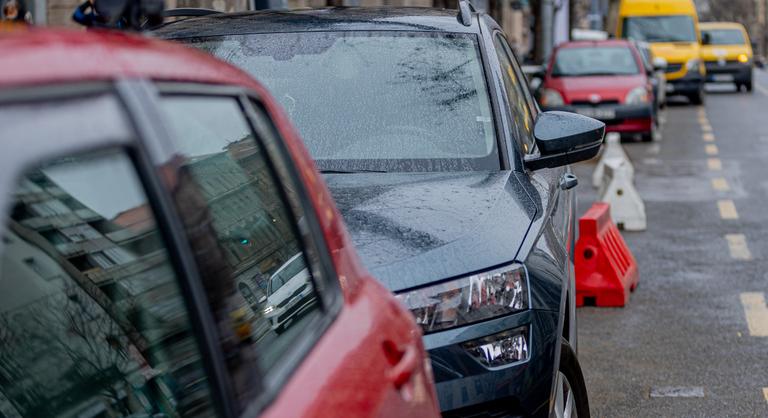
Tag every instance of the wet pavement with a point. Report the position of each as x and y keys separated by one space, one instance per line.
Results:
x=684 y=345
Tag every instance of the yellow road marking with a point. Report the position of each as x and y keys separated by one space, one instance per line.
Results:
x=714 y=164
x=757 y=314
x=706 y=128
x=720 y=184
x=765 y=394
x=727 y=209
x=708 y=137
x=703 y=119
x=711 y=149
x=737 y=244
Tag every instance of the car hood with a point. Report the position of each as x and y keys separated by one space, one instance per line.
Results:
x=411 y=229
x=675 y=52
x=607 y=87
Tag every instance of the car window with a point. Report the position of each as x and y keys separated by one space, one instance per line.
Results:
x=244 y=236
x=725 y=36
x=92 y=320
x=516 y=87
x=674 y=28
x=589 y=61
x=383 y=101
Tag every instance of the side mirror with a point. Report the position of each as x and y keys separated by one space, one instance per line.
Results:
x=659 y=64
x=565 y=138
x=706 y=39
x=263 y=300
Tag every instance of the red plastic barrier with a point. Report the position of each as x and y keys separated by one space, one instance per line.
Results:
x=606 y=271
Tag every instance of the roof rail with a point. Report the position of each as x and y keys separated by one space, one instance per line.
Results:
x=189 y=12
x=465 y=12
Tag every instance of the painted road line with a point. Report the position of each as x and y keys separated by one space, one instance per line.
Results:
x=762 y=89
x=727 y=209
x=677 y=392
x=765 y=394
x=720 y=184
x=654 y=149
x=711 y=149
x=706 y=128
x=708 y=137
x=714 y=164
x=737 y=244
x=756 y=313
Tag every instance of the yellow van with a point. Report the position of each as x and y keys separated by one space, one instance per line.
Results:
x=671 y=27
x=727 y=53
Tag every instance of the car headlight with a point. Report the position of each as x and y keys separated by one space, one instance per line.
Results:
x=693 y=65
x=269 y=309
x=638 y=95
x=550 y=97
x=469 y=299
x=743 y=58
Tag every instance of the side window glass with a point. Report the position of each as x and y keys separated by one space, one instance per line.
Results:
x=260 y=281
x=92 y=320
x=516 y=89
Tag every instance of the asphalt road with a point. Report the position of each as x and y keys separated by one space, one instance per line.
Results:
x=687 y=325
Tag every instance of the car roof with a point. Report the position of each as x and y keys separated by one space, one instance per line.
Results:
x=45 y=56
x=607 y=42
x=320 y=20
x=721 y=25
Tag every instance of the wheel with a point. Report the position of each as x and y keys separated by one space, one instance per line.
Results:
x=570 y=390
x=698 y=97
x=748 y=86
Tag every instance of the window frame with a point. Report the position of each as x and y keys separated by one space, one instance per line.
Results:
x=283 y=170
x=131 y=145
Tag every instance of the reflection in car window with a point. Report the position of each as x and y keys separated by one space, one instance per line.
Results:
x=383 y=101
x=242 y=234
x=660 y=29
x=92 y=322
x=514 y=87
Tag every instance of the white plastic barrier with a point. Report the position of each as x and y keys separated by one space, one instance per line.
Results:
x=618 y=190
x=612 y=149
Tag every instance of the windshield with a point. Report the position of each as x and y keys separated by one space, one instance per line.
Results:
x=376 y=101
x=660 y=29
x=724 y=37
x=286 y=272
x=590 y=61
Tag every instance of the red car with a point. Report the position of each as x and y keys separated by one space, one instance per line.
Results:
x=606 y=80
x=152 y=197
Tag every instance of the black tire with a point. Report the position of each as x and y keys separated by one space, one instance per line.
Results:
x=698 y=97
x=748 y=86
x=570 y=369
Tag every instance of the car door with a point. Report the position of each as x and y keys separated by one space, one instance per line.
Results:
x=321 y=351
x=96 y=317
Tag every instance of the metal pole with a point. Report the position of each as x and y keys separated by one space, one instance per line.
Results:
x=547 y=18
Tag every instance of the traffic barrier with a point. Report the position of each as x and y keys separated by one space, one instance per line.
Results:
x=612 y=149
x=619 y=191
x=606 y=271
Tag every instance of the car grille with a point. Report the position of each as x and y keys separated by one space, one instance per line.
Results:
x=673 y=68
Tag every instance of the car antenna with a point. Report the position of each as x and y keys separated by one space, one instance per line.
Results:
x=465 y=12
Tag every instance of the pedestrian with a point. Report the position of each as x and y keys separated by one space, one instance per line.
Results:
x=15 y=11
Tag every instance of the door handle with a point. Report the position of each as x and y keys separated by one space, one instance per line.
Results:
x=405 y=363
x=568 y=181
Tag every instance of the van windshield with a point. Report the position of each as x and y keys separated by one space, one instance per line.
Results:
x=724 y=37
x=660 y=29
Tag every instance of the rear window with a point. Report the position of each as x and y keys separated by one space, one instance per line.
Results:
x=595 y=61
x=725 y=36
x=381 y=101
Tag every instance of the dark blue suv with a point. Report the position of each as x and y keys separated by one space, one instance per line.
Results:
x=454 y=185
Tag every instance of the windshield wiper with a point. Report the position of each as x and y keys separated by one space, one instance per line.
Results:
x=350 y=171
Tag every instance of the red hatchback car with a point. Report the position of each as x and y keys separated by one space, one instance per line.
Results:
x=169 y=249
x=606 y=80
